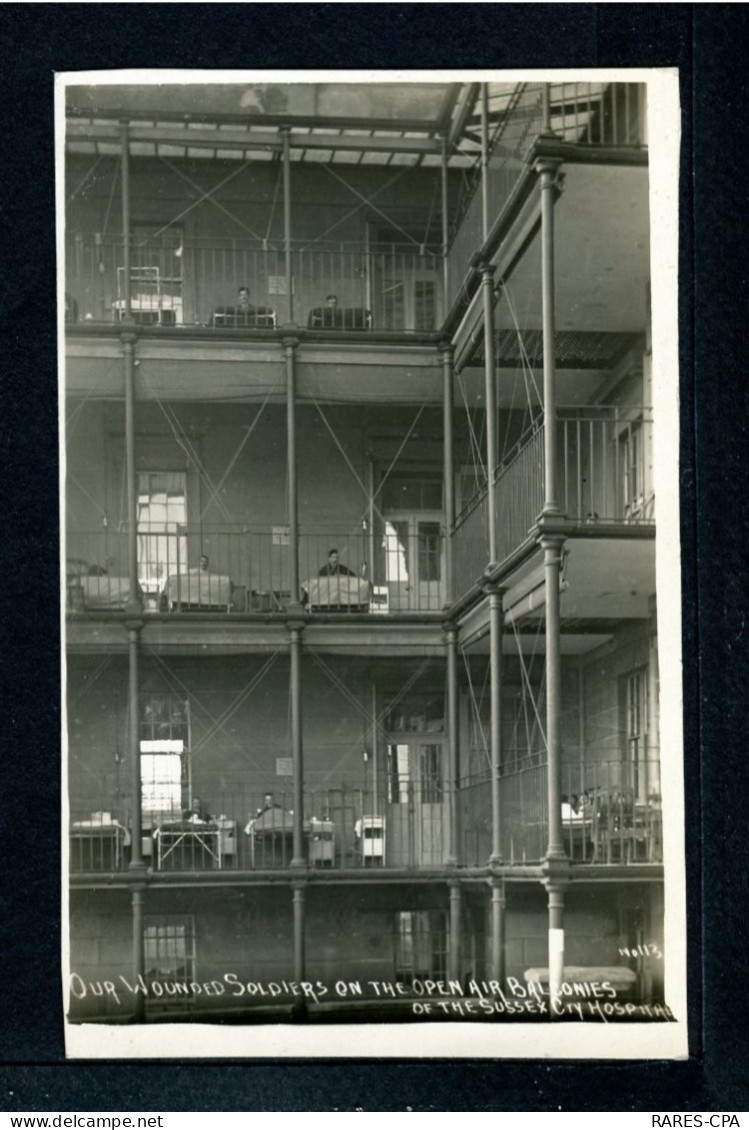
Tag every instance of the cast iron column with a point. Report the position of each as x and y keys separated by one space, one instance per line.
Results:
x=126 y=281
x=556 y=865
x=485 y=161
x=298 y=892
x=495 y=697
x=445 y=233
x=455 y=960
x=448 y=461
x=295 y=694
x=139 y=956
x=287 y=223
x=453 y=745
x=290 y=344
x=497 y=953
x=136 y=817
x=548 y=172
x=490 y=395
x=133 y=606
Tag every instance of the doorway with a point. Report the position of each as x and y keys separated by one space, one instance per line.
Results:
x=417 y=809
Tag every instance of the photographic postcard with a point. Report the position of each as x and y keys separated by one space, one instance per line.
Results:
x=372 y=622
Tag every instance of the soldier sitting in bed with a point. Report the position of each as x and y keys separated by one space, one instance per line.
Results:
x=333 y=567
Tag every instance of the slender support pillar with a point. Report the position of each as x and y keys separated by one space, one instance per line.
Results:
x=556 y=940
x=495 y=698
x=133 y=703
x=455 y=961
x=548 y=173
x=139 y=952
x=133 y=606
x=287 y=224
x=453 y=746
x=291 y=472
x=295 y=693
x=484 y=161
x=448 y=467
x=375 y=754
x=126 y=280
x=298 y=893
x=490 y=396
x=551 y=545
x=497 y=950
x=445 y=232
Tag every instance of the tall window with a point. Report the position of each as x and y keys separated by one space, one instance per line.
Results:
x=421 y=945
x=431 y=773
x=169 y=944
x=637 y=708
x=162 y=518
x=164 y=747
x=632 y=470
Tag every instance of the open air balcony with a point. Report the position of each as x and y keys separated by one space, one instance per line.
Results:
x=395 y=569
x=604 y=479
x=611 y=812
x=181 y=282
x=611 y=815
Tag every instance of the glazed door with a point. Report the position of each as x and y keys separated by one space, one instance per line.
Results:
x=414 y=569
x=417 y=832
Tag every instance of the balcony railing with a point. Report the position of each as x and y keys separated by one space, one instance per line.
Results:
x=343 y=828
x=592 y=115
x=604 y=476
x=388 y=286
x=397 y=569
x=611 y=813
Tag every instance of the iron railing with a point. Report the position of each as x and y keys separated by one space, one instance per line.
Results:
x=388 y=286
x=396 y=569
x=593 y=115
x=604 y=476
x=611 y=814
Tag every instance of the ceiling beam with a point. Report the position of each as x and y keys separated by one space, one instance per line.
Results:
x=117 y=114
x=466 y=102
x=250 y=139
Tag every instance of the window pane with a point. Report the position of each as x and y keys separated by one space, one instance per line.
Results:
x=429 y=551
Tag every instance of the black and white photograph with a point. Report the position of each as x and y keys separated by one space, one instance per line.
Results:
x=371 y=612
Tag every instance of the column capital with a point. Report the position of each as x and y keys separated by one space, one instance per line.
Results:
x=135 y=621
x=138 y=873
x=128 y=333
x=548 y=165
x=450 y=633
x=447 y=349
x=454 y=887
x=555 y=872
x=551 y=541
x=290 y=339
x=298 y=886
x=295 y=626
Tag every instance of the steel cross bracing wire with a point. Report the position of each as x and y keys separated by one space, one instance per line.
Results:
x=183 y=440
x=477 y=704
x=368 y=201
x=216 y=724
x=208 y=195
x=361 y=708
x=394 y=461
x=85 y=179
x=363 y=203
x=526 y=678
